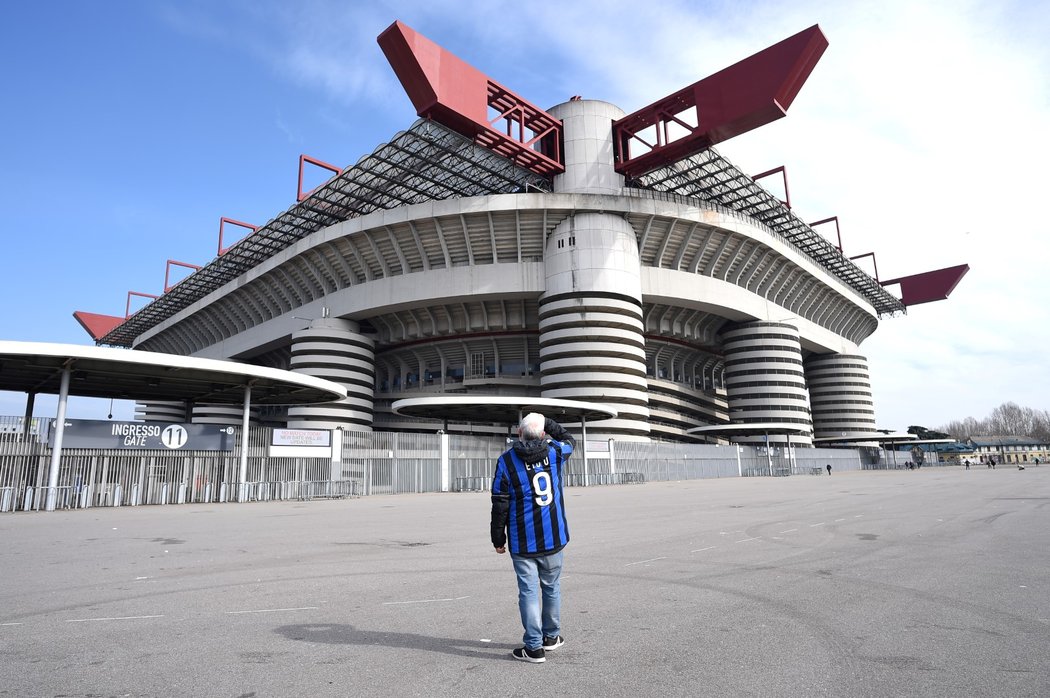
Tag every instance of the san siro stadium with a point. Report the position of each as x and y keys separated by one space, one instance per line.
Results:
x=494 y=248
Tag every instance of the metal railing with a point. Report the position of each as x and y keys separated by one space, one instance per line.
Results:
x=368 y=463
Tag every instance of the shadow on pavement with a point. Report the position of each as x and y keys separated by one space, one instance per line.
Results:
x=341 y=634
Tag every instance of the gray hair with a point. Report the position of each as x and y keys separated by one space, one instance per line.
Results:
x=531 y=426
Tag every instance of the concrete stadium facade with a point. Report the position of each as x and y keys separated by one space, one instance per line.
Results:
x=676 y=310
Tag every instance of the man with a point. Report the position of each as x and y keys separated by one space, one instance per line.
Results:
x=528 y=516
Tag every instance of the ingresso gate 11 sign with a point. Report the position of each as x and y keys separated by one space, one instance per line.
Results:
x=89 y=433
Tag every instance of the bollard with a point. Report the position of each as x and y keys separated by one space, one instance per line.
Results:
x=164 y=493
x=118 y=497
x=27 y=505
x=134 y=495
x=182 y=494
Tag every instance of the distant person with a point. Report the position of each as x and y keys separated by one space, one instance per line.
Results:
x=829 y=468
x=528 y=507
x=967 y=463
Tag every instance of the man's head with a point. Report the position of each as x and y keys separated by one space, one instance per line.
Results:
x=531 y=426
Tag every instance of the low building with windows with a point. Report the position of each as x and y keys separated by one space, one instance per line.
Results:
x=1010 y=449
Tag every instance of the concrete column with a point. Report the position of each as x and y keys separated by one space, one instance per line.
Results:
x=160 y=411
x=335 y=350
x=840 y=394
x=591 y=342
x=765 y=380
x=204 y=413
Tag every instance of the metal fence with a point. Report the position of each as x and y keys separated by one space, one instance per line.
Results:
x=362 y=464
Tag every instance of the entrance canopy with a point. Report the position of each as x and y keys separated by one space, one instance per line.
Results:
x=499 y=408
x=748 y=429
x=65 y=369
x=37 y=368
x=860 y=437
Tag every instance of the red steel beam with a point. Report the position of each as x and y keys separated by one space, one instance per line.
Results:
x=735 y=100
x=445 y=88
x=783 y=171
x=838 y=233
x=96 y=325
x=873 y=262
x=127 y=307
x=223 y=222
x=303 y=160
x=167 y=272
x=929 y=286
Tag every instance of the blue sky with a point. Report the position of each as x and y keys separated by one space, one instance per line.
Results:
x=130 y=128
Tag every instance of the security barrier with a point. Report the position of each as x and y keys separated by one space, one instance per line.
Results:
x=363 y=464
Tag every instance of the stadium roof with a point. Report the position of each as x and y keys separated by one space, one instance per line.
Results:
x=708 y=176
x=425 y=163
x=430 y=162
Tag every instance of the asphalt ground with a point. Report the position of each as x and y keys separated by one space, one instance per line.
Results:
x=903 y=583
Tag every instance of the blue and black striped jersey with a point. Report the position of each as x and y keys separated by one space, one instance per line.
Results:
x=535 y=522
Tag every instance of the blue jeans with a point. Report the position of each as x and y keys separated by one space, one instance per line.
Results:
x=536 y=575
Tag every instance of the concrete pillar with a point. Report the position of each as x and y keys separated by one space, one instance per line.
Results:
x=335 y=350
x=591 y=342
x=765 y=380
x=161 y=411
x=840 y=394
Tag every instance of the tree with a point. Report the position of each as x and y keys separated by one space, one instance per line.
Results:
x=1009 y=419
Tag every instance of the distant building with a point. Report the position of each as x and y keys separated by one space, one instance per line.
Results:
x=1010 y=449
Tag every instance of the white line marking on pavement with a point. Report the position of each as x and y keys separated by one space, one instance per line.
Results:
x=837 y=520
x=273 y=610
x=700 y=550
x=745 y=540
x=85 y=620
x=399 y=603
x=642 y=562
x=816 y=524
x=858 y=516
x=3 y=624
x=789 y=530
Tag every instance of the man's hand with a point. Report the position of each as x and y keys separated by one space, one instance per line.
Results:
x=501 y=549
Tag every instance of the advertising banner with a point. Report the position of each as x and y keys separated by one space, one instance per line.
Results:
x=90 y=433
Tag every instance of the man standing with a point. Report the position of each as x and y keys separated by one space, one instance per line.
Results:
x=528 y=516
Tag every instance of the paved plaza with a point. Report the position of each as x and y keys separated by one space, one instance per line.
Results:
x=901 y=583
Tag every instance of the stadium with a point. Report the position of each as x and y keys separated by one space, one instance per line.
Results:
x=497 y=249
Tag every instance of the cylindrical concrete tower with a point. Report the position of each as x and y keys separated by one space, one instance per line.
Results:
x=335 y=350
x=161 y=411
x=221 y=414
x=765 y=381
x=591 y=342
x=840 y=394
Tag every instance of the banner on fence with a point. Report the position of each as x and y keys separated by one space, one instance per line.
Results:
x=301 y=443
x=91 y=433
